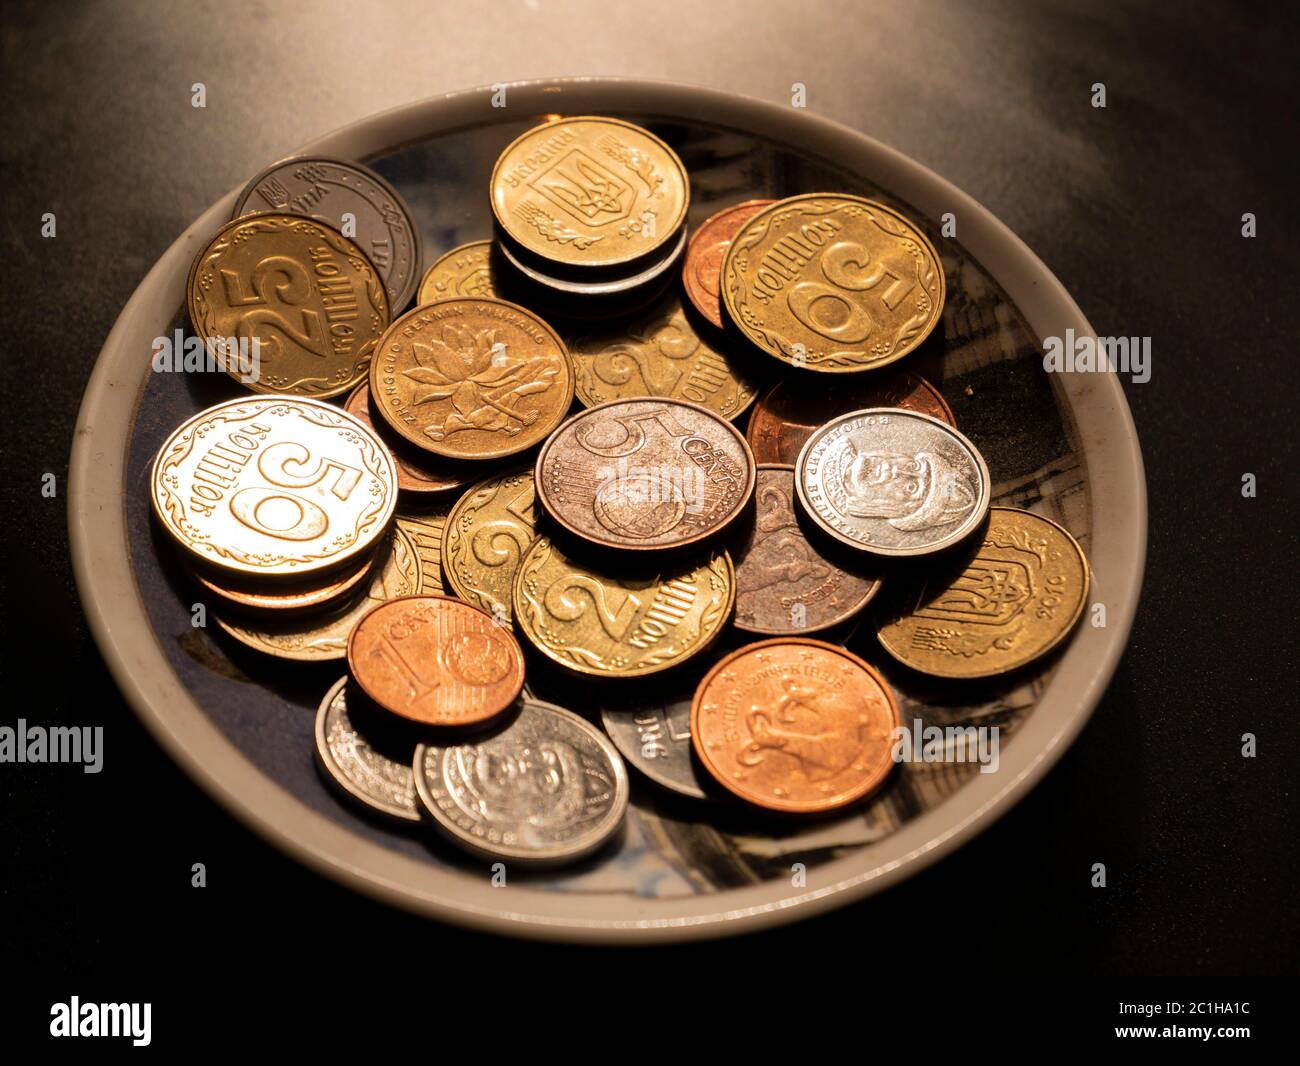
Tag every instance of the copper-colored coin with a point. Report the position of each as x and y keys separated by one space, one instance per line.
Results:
x=436 y=660
x=645 y=474
x=289 y=599
x=417 y=472
x=702 y=272
x=795 y=725
x=786 y=415
x=784 y=584
x=472 y=378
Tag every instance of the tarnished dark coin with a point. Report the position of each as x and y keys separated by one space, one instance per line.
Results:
x=417 y=470
x=645 y=474
x=364 y=773
x=651 y=726
x=329 y=190
x=702 y=271
x=786 y=415
x=546 y=789
x=893 y=482
x=785 y=586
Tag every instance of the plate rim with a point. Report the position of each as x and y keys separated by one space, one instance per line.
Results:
x=114 y=609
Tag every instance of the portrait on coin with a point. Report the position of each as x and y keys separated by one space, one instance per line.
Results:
x=910 y=492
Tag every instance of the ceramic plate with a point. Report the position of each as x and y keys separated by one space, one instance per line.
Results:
x=241 y=725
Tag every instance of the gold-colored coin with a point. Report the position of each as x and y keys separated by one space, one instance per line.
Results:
x=999 y=607
x=426 y=532
x=472 y=378
x=486 y=535
x=309 y=296
x=278 y=487
x=833 y=283
x=589 y=192
x=464 y=271
x=621 y=625
x=399 y=573
x=658 y=354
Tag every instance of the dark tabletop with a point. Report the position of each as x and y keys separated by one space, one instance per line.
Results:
x=1136 y=207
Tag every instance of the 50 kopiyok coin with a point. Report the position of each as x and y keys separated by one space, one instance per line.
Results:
x=277 y=487
x=833 y=283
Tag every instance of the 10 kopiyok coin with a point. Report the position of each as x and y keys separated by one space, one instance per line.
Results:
x=308 y=296
x=833 y=283
x=278 y=487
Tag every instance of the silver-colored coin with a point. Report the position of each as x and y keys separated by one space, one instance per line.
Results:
x=893 y=482
x=611 y=284
x=326 y=189
x=653 y=731
x=547 y=789
x=357 y=768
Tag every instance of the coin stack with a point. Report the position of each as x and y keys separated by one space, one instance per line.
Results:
x=533 y=483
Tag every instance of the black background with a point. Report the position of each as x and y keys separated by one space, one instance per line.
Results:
x=1136 y=208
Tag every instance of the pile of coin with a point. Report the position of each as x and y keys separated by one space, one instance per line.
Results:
x=533 y=481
